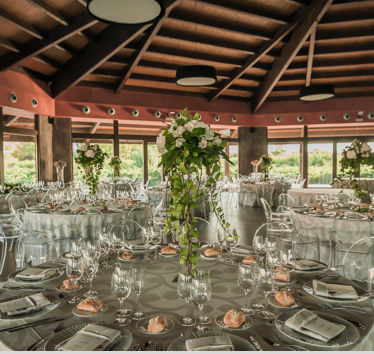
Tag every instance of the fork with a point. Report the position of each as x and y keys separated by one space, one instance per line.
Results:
x=159 y=347
x=44 y=339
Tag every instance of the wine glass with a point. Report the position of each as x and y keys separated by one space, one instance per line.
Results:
x=201 y=293
x=104 y=247
x=121 y=287
x=184 y=291
x=231 y=242
x=137 y=274
x=155 y=241
x=221 y=239
x=286 y=257
x=74 y=271
x=91 y=265
x=148 y=233
x=118 y=243
x=247 y=277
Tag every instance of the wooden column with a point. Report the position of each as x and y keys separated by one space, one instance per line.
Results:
x=44 y=151
x=145 y=161
x=334 y=161
x=1 y=148
x=305 y=156
x=252 y=145
x=115 y=138
x=63 y=146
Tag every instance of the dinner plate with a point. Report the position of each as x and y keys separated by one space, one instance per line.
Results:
x=273 y=302
x=168 y=255
x=349 y=336
x=142 y=324
x=57 y=275
x=239 y=343
x=245 y=325
x=362 y=294
x=214 y=258
x=81 y=313
x=124 y=343
x=58 y=288
x=321 y=267
x=34 y=313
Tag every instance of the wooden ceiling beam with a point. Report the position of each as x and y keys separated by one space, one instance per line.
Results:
x=94 y=128
x=309 y=66
x=289 y=51
x=8 y=120
x=264 y=49
x=57 y=35
x=5 y=43
x=82 y=2
x=50 y=11
x=145 y=43
x=15 y=21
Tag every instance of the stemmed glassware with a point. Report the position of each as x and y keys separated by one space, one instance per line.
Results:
x=201 y=293
x=247 y=277
x=91 y=265
x=231 y=242
x=155 y=241
x=121 y=287
x=137 y=274
x=286 y=257
x=74 y=271
x=184 y=291
x=118 y=243
x=148 y=233
x=104 y=247
x=221 y=239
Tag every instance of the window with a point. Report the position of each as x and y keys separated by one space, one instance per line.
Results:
x=339 y=149
x=365 y=170
x=154 y=172
x=19 y=162
x=320 y=164
x=234 y=158
x=286 y=159
x=107 y=170
x=131 y=154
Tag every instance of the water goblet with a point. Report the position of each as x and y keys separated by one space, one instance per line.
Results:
x=247 y=277
x=184 y=291
x=221 y=239
x=91 y=262
x=74 y=269
x=121 y=287
x=231 y=242
x=137 y=274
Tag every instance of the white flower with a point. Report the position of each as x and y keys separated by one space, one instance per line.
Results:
x=209 y=134
x=90 y=154
x=83 y=147
x=160 y=142
x=8 y=188
x=179 y=142
x=203 y=143
x=95 y=147
x=178 y=132
x=365 y=147
x=190 y=126
x=217 y=141
x=351 y=155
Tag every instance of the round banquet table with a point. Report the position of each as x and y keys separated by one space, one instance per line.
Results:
x=160 y=296
x=364 y=183
x=59 y=225
x=269 y=191
x=113 y=188
x=308 y=195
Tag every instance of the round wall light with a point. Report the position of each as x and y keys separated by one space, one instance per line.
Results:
x=86 y=109
x=216 y=117
x=157 y=114
x=277 y=119
x=371 y=115
x=111 y=111
x=347 y=116
x=300 y=118
x=234 y=119
x=134 y=112
x=12 y=97
x=323 y=117
x=34 y=102
x=177 y=115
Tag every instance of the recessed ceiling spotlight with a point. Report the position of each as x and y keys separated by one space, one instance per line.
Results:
x=177 y=115
x=371 y=115
x=111 y=111
x=34 y=102
x=234 y=119
x=86 y=109
x=277 y=119
x=134 y=112
x=157 y=114
x=347 y=116
x=216 y=117
x=300 y=118
x=12 y=97
x=323 y=117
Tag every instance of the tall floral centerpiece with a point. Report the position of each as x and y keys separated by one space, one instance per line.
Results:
x=265 y=163
x=60 y=165
x=353 y=156
x=188 y=147
x=115 y=162
x=91 y=159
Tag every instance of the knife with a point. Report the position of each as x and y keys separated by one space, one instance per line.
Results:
x=27 y=325
x=256 y=344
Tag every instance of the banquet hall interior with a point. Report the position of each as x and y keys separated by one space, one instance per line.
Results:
x=187 y=175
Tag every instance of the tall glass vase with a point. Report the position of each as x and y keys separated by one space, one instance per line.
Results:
x=60 y=175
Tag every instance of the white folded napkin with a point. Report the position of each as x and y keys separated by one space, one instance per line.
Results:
x=307 y=264
x=337 y=291
x=310 y=324
x=91 y=337
x=24 y=304
x=221 y=343
x=36 y=273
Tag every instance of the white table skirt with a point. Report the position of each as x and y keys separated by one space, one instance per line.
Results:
x=268 y=191
x=308 y=195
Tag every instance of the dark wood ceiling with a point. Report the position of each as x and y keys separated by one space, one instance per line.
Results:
x=261 y=49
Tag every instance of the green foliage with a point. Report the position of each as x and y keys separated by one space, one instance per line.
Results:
x=187 y=148
x=265 y=163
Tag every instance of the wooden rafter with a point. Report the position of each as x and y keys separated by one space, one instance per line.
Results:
x=94 y=127
x=110 y=41
x=50 y=11
x=8 y=120
x=289 y=52
x=15 y=21
x=264 y=49
x=144 y=46
x=8 y=45
x=59 y=34
x=310 y=56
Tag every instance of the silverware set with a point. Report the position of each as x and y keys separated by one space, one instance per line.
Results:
x=45 y=339
x=32 y=324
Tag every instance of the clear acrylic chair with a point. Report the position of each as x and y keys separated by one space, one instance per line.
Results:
x=358 y=263
x=128 y=228
x=286 y=200
x=269 y=214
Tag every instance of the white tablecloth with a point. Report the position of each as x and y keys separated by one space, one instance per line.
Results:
x=364 y=183
x=268 y=191
x=114 y=187
x=308 y=195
